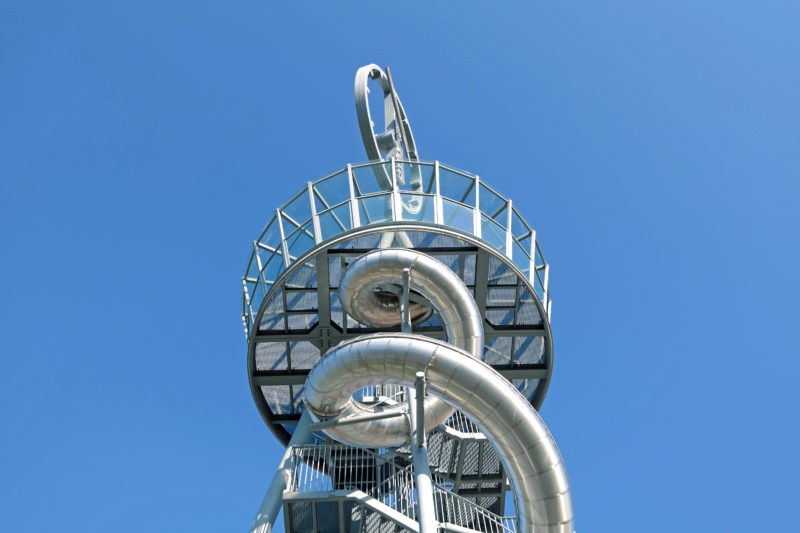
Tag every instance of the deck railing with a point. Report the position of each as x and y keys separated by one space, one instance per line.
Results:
x=351 y=198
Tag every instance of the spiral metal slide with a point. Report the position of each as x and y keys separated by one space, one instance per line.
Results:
x=454 y=375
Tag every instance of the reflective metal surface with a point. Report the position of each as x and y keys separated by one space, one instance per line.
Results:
x=396 y=141
x=537 y=472
x=365 y=281
x=404 y=306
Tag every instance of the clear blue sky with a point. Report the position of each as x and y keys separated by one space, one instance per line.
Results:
x=655 y=146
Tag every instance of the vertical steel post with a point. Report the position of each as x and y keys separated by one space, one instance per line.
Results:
x=273 y=500
x=314 y=215
x=438 y=212
x=416 y=409
x=509 y=235
x=284 y=246
x=397 y=205
x=355 y=217
x=419 y=385
x=405 y=311
x=422 y=470
x=546 y=288
x=476 y=211
x=532 y=271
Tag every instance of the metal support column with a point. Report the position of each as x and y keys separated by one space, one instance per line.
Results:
x=405 y=311
x=271 y=505
x=416 y=409
x=422 y=470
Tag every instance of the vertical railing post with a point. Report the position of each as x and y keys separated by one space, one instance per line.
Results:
x=426 y=511
x=284 y=245
x=509 y=235
x=419 y=385
x=248 y=310
x=438 y=214
x=532 y=271
x=397 y=207
x=261 y=280
x=546 y=288
x=258 y=257
x=476 y=211
x=314 y=216
x=355 y=216
x=405 y=311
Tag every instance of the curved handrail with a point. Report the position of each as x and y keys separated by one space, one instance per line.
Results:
x=335 y=205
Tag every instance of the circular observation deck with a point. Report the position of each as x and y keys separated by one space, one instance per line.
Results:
x=290 y=305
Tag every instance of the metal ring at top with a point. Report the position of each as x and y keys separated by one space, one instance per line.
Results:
x=396 y=142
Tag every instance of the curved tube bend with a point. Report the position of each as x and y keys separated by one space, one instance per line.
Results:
x=378 y=273
x=541 y=485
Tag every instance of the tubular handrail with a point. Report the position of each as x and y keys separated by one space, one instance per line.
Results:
x=321 y=211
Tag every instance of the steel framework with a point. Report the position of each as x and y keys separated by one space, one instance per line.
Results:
x=398 y=411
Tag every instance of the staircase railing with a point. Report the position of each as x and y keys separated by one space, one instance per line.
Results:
x=333 y=467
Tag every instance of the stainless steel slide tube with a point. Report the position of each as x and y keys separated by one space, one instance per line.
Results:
x=541 y=485
x=363 y=293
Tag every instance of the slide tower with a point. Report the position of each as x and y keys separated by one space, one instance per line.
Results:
x=397 y=319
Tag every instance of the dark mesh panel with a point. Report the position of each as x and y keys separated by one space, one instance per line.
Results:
x=528 y=350
x=271 y=356
x=272 y=319
x=327 y=517
x=365 y=241
x=450 y=260
x=272 y=322
x=304 y=276
x=303 y=354
x=500 y=273
x=353 y=517
x=440 y=451
x=277 y=396
x=497 y=351
x=298 y=301
x=334 y=271
x=492 y=504
x=471 y=456
x=302 y=320
x=491 y=460
x=297 y=396
x=434 y=443
x=422 y=239
x=373 y=522
x=337 y=314
x=528 y=312
x=469 y=269
x=500 y=317
x=301 y=516
x=504 y=296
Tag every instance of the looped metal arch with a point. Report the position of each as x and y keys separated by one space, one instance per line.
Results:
x=396 y=141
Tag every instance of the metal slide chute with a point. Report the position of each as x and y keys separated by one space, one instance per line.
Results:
x=364 y=289
x=452 y=374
